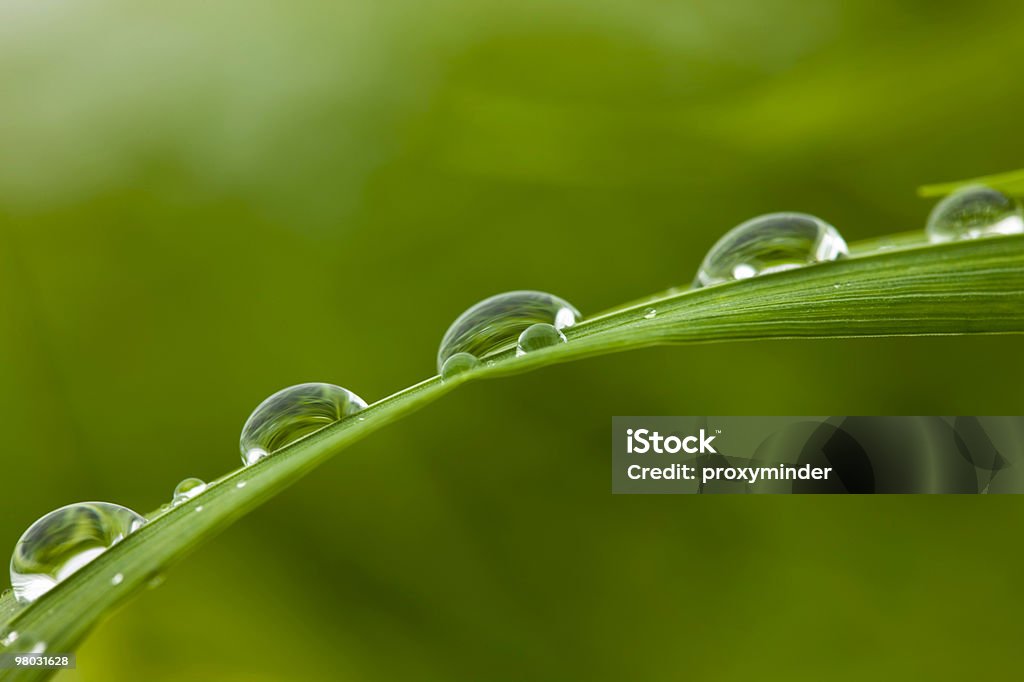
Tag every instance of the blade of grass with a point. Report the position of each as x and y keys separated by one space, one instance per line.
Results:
x=1011 y=183
x=957 y=288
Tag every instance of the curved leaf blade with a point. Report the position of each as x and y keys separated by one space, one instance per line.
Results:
x=958 y=288
x=1011 y=182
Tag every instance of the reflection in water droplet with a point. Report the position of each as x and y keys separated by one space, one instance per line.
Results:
x=770 y=243
x=650 y=313
x=294 y=413
x=254 y=455
x=538 y=336
x=187 y=489
x=494 y=324
x=65 y=540
x=744 y=271
x=975 y=212
x=457 y=364
x=117 y=579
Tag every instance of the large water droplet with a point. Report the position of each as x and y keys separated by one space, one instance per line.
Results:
x=65 y=540
x=770 y=243
x=187 y=489
x=293 y=413
x=538 y=336
x=494 y=324
x=457 y=364
x=974 y=212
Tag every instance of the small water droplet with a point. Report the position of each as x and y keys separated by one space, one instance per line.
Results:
x=117 y=579
x=770 y=243
x=538 y=336
x=37 y=648
x=650 y=313
x=10 y=638
x=294 y=413
x=457 y=364
x=975 y=212
x=240 y=485
x=155 y=581
x=65 y=540
x=187 y=489
x=164 y=508
x=199 y=509
x=494 y=324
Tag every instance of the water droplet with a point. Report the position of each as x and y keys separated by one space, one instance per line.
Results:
x=37 y=648
x=164 y=508
x=494 y=324
x=199 y=509
x=65 y=540
x=155 y=581
x=650 y=313
x=538 y=336
x=188 y=489
x=10 y=638
x=117 y=579
x=457 y=364
x=974 y=212
x=770 y=243
x=240 y=485
x=293 y=413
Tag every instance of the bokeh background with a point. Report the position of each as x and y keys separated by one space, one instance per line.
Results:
x=201 y=203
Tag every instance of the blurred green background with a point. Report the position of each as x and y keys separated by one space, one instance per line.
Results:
x=201 y=203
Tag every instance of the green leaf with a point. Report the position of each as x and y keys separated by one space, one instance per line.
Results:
x=898 y=287
x=1011 y=183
